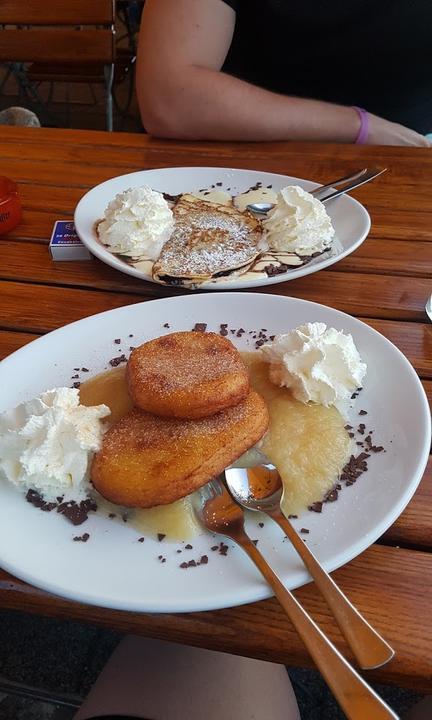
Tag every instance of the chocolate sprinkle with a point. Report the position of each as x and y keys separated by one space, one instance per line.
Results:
x=117 y=341
x=199 y=327
x=204 y=560
x=223 y=549
x=292 y=517
x=141 y=539
x=74 y=377
x=188 y=547
x=362 y=412
x=85 y=370
x=166 y=325
x=223 y=330
x=81 y=538
x=214 y=547
x=114 y=362
x=112 y=515
x=255 y=542
x=77 y=513
x=184 y=565
x=161 y=536
x=261 y=524
x=316 y=507
x=76 y=385
x=305 y=531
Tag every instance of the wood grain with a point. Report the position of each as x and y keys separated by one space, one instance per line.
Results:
x=57 y=45
x=73 y=12
x=414 y=527
x=391 y=586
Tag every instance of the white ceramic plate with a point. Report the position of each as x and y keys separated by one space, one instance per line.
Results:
x=112 y=569
x=350 y=219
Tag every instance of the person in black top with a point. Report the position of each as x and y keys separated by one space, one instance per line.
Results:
x=336 y=71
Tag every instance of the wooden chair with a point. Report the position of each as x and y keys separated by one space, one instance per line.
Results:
x=68 y=40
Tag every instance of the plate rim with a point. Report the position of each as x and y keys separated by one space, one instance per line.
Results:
x=245 y=595
x=113 y=261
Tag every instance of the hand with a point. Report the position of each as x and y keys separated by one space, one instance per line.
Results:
x=384 y=132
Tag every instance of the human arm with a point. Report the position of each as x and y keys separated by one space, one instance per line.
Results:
x=183 y=94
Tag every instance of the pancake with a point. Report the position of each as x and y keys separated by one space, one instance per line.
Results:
x=209 y=240
x=187 y=375
x=147 y=460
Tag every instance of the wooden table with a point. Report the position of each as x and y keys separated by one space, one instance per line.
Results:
x=386 y=283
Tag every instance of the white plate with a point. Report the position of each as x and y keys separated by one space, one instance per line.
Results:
x=350 y=219
x=114 y=570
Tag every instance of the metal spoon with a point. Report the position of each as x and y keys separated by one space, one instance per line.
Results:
x=349 y=182
x=218 y=512
x=260 y=488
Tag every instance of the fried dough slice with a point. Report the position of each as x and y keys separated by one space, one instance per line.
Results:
x=187 y=375
x=147 y=460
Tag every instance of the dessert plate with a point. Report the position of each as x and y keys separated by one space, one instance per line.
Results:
x=350 y=219
x=112 y=568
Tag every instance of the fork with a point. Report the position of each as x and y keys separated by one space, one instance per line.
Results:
x=218 y=512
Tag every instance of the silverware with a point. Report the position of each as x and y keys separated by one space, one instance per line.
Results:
x=260 y=488
x=428 y=308
x=218 y=512
x=348 y=182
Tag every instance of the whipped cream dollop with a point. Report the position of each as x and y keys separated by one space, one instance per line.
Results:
x=137 y=222
x=319 y=364
x=46 y=444
x=298 y=223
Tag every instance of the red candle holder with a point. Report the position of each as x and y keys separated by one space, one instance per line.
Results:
x=10 y=205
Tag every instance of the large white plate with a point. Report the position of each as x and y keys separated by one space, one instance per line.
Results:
x=350 y=219
x=112 y=568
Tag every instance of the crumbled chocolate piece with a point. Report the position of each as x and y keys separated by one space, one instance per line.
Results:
x=351 y=434
x=141 y=539
x=191 y=563
x=223 y=549
x=183 y=565
x=131 y=348
x=171 y=198
x=203 y=560
x=269 y=187
x=77 y=513
x=76 y=369
x=178 y=551
x=114 y=362
x=261 y=524
x=361 y=428
x=214 y=547
x=348 y=427
x=255 y=542
x=35 y=499
x=166 y=325
x=354 y=468
x=272 y=337
x=316 y=507
x=112 y=515
x=271 y=270
x=84 y=369
x=331 y=496
x=161 y=536
x=163 y=560
x=117 y=341
x=159 y=557
x=207 y=192
x=188 y=547
x=125 y=517
x=76 y=384
x=359 y=443
x=362 y=412
x=292 y=517
x=376 y=448
x=130 y=335
x=259 y=343
x=199 y=327
x=81 y=538
x=240 y=332
x=74 y=377
x=223 y=329
x=305 y=531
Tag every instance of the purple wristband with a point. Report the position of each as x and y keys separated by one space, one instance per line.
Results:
x=364 y=126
